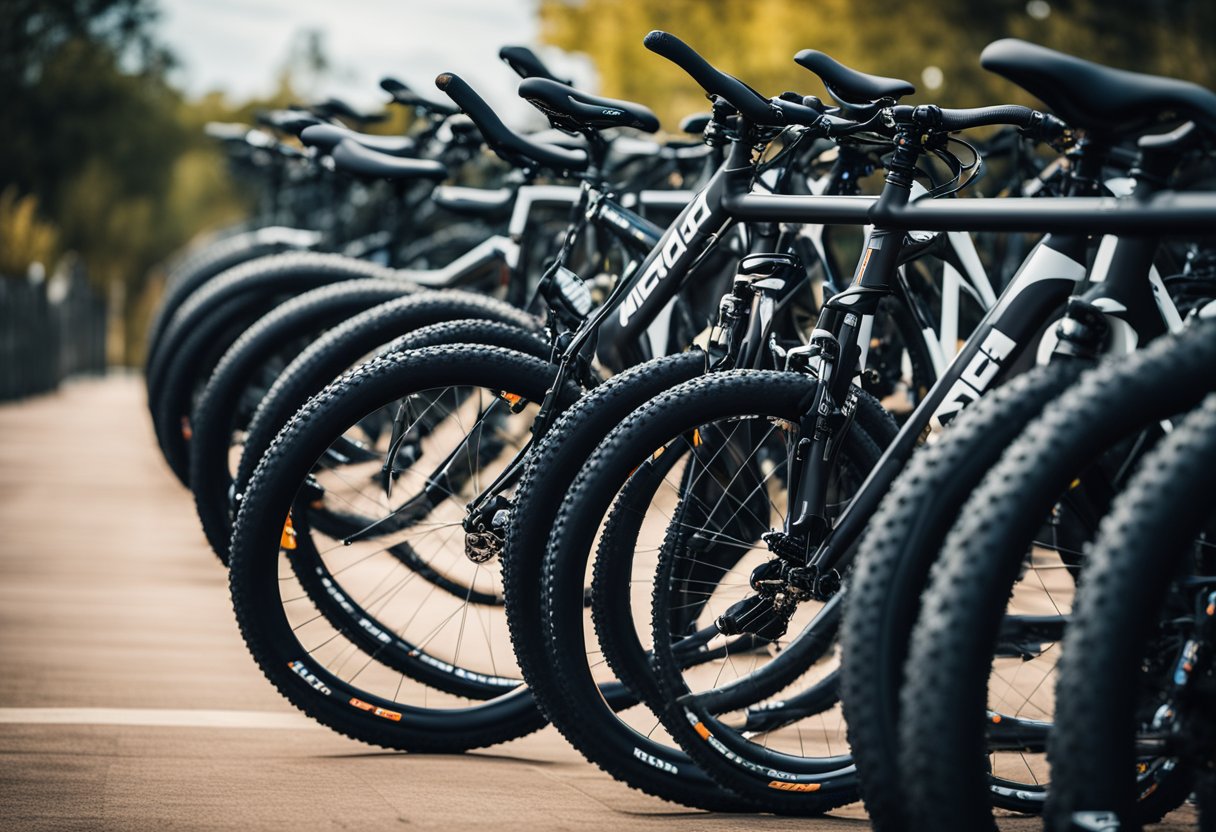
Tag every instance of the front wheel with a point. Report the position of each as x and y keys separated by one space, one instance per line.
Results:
x=627 y=502
x=350 y=575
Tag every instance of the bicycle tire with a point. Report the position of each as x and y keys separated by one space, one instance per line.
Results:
x=346 y=344
x=892 y=568
x=224 y=307
x=782 y=783
x=214 y=259
x=253 y=574
x=217 y=413
x=1130 y=568
x=943 y=703
x=586 y=720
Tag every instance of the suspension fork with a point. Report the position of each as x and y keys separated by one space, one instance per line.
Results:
x=834 y=346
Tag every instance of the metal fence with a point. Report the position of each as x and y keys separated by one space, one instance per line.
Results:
x=49 y=329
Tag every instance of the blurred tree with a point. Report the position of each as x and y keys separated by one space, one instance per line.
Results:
x=102 y=145
x=923 y=42
x=90 y=128
x=24 y=239
x=82 y=79
x=100 y=155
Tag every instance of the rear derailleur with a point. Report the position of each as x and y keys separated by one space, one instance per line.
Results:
x=781 y=584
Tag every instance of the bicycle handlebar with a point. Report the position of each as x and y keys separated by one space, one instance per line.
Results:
x=1042 y=126
x=750 y=104
x=984 y=116
x=502 y=139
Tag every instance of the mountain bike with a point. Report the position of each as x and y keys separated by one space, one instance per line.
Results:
x=403 y=433
x=814 y=783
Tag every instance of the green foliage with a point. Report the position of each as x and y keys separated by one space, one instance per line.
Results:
x=99 y=154
x=756 y=40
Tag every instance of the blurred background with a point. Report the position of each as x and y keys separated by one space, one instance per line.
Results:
x=105 y=172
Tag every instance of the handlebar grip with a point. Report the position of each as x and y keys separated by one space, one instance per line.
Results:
x=502 y=139
x=750 y=104
x=527 y=64
x=983 y=116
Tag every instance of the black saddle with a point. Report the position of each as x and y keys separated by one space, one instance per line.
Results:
x=527 y=65
x=1095 y=97
x=474 y=202
x=695 y=123
x=571 y=109
x=326 y=137
x=351 y=157
x=337 y=108
x=848 y=86
x=408 y=97
x=504 y=141
x=287 y=121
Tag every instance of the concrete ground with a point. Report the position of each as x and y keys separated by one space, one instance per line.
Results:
x=128 y=702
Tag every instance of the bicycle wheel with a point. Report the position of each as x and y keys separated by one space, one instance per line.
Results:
x=218 y=441
x=892 y=568
x=1009 y=541
x=631 y=745
x=349 y=343
x=1141 y=610
x=660 y=770
x=365 y=609
x=201 y=266
x=214 y=317
x=743 y=656
x=241 y=378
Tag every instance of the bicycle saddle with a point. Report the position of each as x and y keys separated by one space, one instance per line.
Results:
x=849 y=86
x=337 y=108
x=1096 y=97
x=351 y=157
x=574 y=110
x=504 y=141
x=407 y=97
x=326 y=137
x=474 y=202
x=287 y=121
x=695 y=123
x=527 y=65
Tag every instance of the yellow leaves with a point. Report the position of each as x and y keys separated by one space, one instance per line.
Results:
x=24 y=237
x=757 y=39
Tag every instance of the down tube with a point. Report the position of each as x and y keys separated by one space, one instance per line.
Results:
x=661 y=275
x=1043 y=284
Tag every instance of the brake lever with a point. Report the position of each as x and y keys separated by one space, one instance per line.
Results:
x=1050 y=130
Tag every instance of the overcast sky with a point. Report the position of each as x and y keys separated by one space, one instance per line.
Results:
x=238 y=46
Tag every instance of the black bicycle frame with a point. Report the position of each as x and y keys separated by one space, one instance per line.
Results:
x=1048 y=278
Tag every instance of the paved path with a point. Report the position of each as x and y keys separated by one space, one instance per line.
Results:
x=127 y=701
